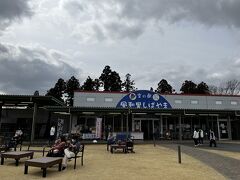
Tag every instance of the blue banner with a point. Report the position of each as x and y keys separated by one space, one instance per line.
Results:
x=144 y=99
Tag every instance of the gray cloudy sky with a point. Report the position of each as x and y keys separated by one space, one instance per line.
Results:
x=42 y=40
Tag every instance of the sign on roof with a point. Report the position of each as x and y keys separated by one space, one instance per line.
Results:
x=144 y=99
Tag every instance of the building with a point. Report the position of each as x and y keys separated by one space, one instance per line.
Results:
x=141 y=113
x=29 y=113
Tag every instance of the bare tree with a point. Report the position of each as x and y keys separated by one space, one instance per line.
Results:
x=213 y=89
x=222 y=89
x=230 y=87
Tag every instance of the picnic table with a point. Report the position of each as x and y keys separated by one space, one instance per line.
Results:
x=43 y=163
x=119 y=146
x=17 y=155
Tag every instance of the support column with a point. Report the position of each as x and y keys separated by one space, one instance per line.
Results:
x=34 y=121
x=0 y=117
x=229 y=128
x=180 y=127
x=218 y=129
x=113 y=124
x=153 y=128
x=161 y=126
x=70 y=121
x=104 y=127
x=121 y=122
x=127 y=122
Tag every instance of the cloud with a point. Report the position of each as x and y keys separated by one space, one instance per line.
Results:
x=119 y=19
x=214 y=74
x=11 y=10
x=26 y=69
x=210 y=13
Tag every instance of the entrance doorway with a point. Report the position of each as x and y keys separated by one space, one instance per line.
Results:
x=223 y=129
x=147 y=126
x=147 y=129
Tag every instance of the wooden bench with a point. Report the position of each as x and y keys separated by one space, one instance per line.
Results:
x=43 y=163
x=119 y=146
x=17 y=155
x=126 y=147
x=43 y=150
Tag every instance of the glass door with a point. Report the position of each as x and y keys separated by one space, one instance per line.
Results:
x=223 y=129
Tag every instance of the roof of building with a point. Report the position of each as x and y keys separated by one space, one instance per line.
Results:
x=29 y=100
x=180 y=94
x=112 y=110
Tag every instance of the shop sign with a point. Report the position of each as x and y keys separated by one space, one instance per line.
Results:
x=144 y=99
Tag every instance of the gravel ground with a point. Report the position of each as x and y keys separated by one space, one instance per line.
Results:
x=148 y=162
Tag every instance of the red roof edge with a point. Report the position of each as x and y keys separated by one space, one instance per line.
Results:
x=180 y=94
x=113 y=92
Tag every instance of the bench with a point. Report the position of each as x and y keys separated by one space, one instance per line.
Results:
x=43 y=163
x=118 y=146
x=43 y=150
x=17 y=155
x=122 y=141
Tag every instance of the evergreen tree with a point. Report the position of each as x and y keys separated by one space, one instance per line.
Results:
x=71 y=85
x=105 y=78
x=89 y=84
x=188 y=87
x=202 y=88
x=97 y=84
x=115 y=82
x=58 y=90
x=128 y=84
x=164 y=87
x=111 y=80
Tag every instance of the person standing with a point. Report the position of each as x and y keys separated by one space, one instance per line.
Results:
x=195 y=137
x=18 y=137
x=52 y=134
x=201 y=135
x=212 y=138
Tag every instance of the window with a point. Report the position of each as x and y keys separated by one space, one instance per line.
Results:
x=90 y=99
x=194 y=101
x=218 y=102
x=108 y=99
x=233 y=102
x=178 y=101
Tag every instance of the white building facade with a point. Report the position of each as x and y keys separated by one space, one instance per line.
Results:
x=145 y=114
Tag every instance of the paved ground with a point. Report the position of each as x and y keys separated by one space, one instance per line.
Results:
x=227 y=166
